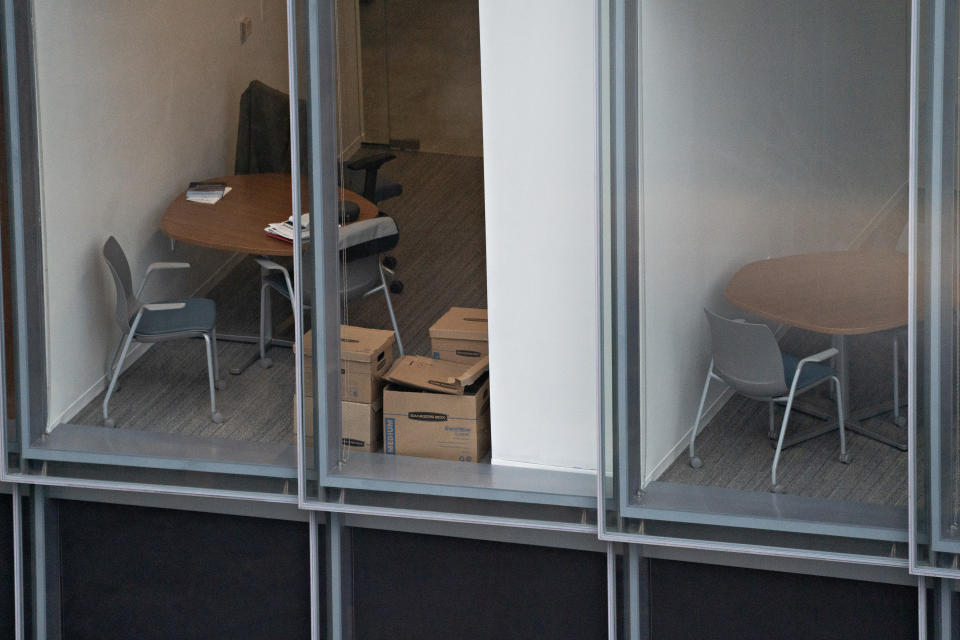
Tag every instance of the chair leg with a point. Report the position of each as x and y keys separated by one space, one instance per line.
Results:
x=393 y=318
x=844 y=458
x=216 y=361
x=107 y=420
x=696 y=462
x=113 y=364
x=771 y=429
x=774 y=487
x=900 y=421
x=265 y=362
x=214 y=414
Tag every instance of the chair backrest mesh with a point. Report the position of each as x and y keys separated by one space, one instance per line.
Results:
x=746 y=356
x=127 y=303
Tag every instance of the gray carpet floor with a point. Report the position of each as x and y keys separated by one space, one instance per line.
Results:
x=737 y=454
x=440 y=262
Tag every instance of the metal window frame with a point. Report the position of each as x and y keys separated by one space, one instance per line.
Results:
x=942 y=188
x=701 y=530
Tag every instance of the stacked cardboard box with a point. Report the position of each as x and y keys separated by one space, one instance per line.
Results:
x=440 y=407
x=365 y=356
x=437 y=409
x=460 y=335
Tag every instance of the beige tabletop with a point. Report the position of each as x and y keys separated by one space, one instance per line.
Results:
x=839 y=293
x=236 y=222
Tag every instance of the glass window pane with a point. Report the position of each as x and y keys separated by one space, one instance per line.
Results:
x=768 y=152
x=149 y=284
x=422 y=247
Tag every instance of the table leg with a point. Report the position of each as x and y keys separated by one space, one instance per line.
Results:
x=266 y=322
x=851 y=421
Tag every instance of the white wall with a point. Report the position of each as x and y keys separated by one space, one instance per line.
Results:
x=135 y=99
x=539 y=76
x=769 y=128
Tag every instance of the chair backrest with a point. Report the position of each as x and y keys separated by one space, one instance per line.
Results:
x=367 y=238
x=127 y=303
x=746 y=355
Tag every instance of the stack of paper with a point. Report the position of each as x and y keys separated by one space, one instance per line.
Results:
x=284 y=230
x=207 y=192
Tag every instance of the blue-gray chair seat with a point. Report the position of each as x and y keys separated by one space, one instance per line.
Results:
x=812 y=372
x=199 y=315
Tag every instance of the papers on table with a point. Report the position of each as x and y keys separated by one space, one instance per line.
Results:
x=284 y=230
x=207 y=192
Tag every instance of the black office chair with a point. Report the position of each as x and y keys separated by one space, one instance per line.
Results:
x=363 y=176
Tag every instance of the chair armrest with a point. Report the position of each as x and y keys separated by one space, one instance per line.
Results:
x=374 y=161
x=168 y=265
x=160 y=266
x=164 y=306
x=826 y=354
x=270 y=265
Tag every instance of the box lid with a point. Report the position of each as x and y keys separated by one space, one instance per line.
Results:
x=356 y=343
x=462 y=323
x=436 y=375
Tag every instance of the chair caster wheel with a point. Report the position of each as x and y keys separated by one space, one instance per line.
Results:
x=777 y=488
x=390 y=262
x=217 y=417
x=696 y=462
x=900 y=421
x=266 y=363
x=845 y=458
x=219 y=385
x=110 y=423
x=396 y=287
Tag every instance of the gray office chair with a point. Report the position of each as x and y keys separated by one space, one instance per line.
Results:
x=362 y=274
x=157 y=322
x=746 y=357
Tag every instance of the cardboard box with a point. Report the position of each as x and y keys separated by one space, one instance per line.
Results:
x=450 y=421
x=460 y=335
x=365 y=355
x=360 y=424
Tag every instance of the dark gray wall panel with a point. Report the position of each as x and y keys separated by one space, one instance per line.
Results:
x=137 y=572
x=6 y=566
x=707 y=601
x=416 y=586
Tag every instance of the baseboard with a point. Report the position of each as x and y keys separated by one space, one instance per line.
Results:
x=139 y=349
x=876 y=222
x=541 y=467
x=352 y=148
x=709 y=414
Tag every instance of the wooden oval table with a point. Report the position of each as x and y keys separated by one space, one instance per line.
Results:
x=236 y=224
x=840 y=293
